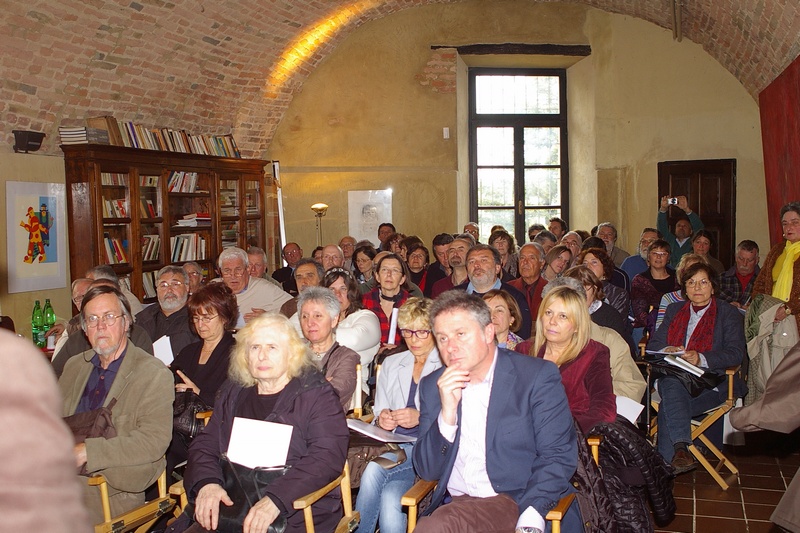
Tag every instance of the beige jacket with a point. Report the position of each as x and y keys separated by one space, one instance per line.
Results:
x=625 y=375
x=144 y=389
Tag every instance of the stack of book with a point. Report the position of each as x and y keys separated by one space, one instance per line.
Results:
x=114 y=178
x=194 y=220
x=180 y=181
x=148 y=209
x=82 y=135
x=151 y=247
x=188 y=247
x=115 y=208
x=115 y=250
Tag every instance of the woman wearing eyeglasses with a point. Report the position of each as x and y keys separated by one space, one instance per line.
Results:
x=708 y=333
x=648 y=287
x=397 y=410
x=203 y=366
x=391 y=273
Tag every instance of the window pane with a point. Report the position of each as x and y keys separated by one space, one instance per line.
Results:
x=539 y=216
x=542 y=186
x=542 y=146
x=526 y=95
x=490 y=217
x=495 y=146
x=495 y=187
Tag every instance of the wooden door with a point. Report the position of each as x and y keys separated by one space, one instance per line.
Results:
x=710 y=188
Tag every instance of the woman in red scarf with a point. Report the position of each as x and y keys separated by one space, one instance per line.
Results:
x=708 y=333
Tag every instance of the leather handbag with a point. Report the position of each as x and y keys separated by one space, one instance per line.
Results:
x=363 y=450
x=184 y=413
x=96 y=423
x=245 y=487
x=695 y=385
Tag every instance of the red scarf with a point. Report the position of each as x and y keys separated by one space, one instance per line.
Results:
x=702 y=338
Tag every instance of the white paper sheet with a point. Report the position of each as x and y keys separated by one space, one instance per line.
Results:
x=392 y=327
x=162 y=349
x=258 y=443
x=377 y=433
x=629 y=409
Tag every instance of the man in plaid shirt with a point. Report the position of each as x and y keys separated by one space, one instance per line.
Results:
x=736 y=285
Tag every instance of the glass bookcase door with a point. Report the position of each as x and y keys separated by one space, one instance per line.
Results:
x=116 y=228
x=150 y=206
x=229 y=198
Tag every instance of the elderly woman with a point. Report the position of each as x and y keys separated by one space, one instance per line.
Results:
x=599 y=262
x=573 y=241
x=272 y=378
x=391 y=292
x=702 y=242
x=556 y=261
x=506 y=317
x=202 y=366
x=780 y=275
x=708 y=333
x=318 y=311
x=503 y=242
x=649 y=286
x=362 y=258
x=562 y=336
x=418 y=258
x=686 y=261
x=358 y=329
x=397 y=410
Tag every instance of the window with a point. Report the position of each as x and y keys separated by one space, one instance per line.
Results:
x=518 y=148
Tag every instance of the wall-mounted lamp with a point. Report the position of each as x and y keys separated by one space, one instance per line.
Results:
x=320 y=210
x=27 y=141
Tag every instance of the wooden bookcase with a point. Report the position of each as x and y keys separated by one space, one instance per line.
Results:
x=123 y=212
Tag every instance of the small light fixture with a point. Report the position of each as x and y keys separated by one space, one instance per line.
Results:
x=27 y=141
x=320 y=210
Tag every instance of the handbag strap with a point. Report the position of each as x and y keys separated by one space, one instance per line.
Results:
x=388 y=464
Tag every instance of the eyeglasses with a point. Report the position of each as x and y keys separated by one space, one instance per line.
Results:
x=419 y=333
x=228 y=272
x=391 y=271
x=203 y=318
x=78 y=299
x=167 y=284
x=703 y=283
x=193 y=274
x=659 y=254
x=338 y=270
x=109 y=319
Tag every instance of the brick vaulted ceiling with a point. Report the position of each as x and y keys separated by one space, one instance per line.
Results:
x=220 y=65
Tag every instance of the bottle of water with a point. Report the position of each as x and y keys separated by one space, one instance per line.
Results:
x=37 y=325
x=49 y=315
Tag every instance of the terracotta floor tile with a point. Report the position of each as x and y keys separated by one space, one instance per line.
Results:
x=755 y=526
x=681 y=524
x=761 y=496
x=758 y=469
x=714 y=492
x=755 y=511
x=718 y=508
x=683 y=490
x=762 y=482
x=705 y=524
x=685 y=505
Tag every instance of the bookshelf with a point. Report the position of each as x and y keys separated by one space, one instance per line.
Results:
x=139 y=210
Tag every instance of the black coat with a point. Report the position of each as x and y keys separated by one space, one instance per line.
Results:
x=317 y=451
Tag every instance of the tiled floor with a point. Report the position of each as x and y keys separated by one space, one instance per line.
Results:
x=766 y=465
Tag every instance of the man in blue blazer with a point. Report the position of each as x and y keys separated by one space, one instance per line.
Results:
x=495 y=429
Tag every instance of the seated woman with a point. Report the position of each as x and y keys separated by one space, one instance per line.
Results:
x=363 y=260
x=506 y=317
x=418 y=258
x=708 y=333
x=272 y=378
x=649 y=286
x=598 y=260
x=397 y=409
x=503 y=242
x=318 y=311
x=358 y=329
x=391 y=273
x=203 y=366
x=562 y=336
x=600 y=312
x=556 y=261
x=686 y=261
x=702 y=242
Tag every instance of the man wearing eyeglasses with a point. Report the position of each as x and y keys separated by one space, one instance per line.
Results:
x=142 y=415
x=171 y=316
x=736 y=284
x=254 y=295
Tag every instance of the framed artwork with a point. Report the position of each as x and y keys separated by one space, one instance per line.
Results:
x=366 y=210
x=36 y=224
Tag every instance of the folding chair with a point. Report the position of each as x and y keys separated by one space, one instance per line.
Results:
x=139 y=519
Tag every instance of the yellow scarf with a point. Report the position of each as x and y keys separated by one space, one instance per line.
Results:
x=783 y=271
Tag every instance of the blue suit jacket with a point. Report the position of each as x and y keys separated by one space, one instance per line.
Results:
x=531 y=451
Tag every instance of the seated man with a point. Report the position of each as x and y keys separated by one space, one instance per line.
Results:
x=144 y=391
x=257 y=259
x=171 y=316
x=736 y=284
x=495 y=429
x=254 y=295
x=106 y=272
x=636 y=264
x=77 y=342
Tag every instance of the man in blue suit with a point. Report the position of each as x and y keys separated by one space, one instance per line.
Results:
x=495 y=430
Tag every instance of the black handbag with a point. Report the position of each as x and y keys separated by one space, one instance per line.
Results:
x=184 y=413
x=245 y=487
x=695 y=385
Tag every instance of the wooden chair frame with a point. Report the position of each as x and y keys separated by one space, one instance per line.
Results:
x=139 y=519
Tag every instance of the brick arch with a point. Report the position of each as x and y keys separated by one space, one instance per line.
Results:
x=207 y=68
